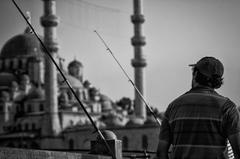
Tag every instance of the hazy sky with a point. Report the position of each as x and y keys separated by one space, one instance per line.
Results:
x=178 y=32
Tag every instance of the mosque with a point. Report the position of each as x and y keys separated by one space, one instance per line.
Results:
x=39 y=111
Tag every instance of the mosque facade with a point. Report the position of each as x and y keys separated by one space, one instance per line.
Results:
x=23 y=104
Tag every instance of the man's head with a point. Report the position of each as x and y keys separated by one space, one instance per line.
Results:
x=208 y=71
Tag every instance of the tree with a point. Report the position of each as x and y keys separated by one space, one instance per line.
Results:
x=125 y=103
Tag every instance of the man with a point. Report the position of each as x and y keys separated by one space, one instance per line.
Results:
x=198 y=124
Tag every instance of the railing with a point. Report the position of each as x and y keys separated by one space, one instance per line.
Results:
x=141 y=154
x=132 y=154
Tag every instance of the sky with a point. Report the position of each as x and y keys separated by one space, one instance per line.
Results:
x=178 y=33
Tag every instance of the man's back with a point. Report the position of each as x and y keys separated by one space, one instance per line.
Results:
x=198 y=124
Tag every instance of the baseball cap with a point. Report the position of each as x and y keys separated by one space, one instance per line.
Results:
x=209 y=66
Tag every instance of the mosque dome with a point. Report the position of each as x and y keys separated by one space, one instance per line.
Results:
x=114 y=121
x=86 y=84
x=108 y=135
x=106 y=106
x=37 y=93
x=21 y=45
x=75 y=63
x=104 y=98
x=135 y=122
x=6 y=79
x=74 y=82
x=106 y=102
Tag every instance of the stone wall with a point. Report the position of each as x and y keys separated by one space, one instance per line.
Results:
x=13 y=153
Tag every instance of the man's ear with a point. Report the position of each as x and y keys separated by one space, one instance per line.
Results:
x=194 y=75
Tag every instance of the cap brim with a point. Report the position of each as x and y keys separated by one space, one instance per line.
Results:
x=192 y=65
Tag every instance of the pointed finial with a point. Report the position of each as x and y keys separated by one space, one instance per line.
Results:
x=28 y=16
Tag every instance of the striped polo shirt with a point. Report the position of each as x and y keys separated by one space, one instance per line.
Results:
x=198 y=123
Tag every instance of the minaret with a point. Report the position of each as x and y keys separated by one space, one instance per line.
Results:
x=138 y=62
x=50 y=21
x=28 y=16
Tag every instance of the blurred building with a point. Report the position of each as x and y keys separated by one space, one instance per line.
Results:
x=23 y=104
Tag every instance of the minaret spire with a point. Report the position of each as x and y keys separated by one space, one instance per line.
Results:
x=50 y=21
x=28 y=16
x=138 y=62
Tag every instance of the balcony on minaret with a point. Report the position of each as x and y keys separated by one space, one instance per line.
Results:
x=139 y=62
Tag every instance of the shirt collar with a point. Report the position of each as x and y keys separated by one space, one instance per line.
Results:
x=202 y=88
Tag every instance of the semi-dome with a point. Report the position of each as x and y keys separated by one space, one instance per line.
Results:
x=21 y=45
x=74 y=82
x=113 y=121
x=37 y=93
x=135 y=122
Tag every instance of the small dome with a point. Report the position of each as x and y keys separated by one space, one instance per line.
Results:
x=87 y=84
x=106 y=102
x=116 y=122
x=75 y=83
x=100 y=124
x=21 y=45
x=106 y=106
x=37 y=93
x=113 y=121
x=104 y=98
x=6 y=79
x=135 y=122
x=75 y=63
x=108 y=135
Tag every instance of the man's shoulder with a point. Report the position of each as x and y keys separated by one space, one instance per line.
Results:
x=196 y=96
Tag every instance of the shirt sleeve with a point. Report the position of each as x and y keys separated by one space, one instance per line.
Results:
x=231 y=118
x=165 y=128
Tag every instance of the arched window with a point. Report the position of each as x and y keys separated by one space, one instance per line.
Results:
x=3 y=65
x=10 y=144
x=18 y=109
x=19 y=127
x=33 y=126
x=20 y=64
x=144 y=142
x=26 y=127
x=41 y=107
x=11 y=65
x=1 y=108
x=79 y=94
x=125 y=142
x=71 y=144
x=29 y=108
x=69 y=93
x=35 y=145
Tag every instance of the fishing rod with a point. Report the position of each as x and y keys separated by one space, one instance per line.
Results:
x=66 y=80
x=129 y=79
